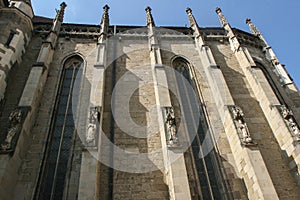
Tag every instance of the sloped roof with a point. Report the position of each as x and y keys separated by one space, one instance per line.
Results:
x=40 y=19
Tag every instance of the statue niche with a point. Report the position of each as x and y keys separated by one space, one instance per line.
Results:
x=172 y=139
x=14 y=126
x=92 y=126
x=288 y=117
x=238 y=117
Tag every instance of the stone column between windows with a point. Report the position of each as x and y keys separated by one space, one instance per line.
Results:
x=249 y=162
x=177 y=182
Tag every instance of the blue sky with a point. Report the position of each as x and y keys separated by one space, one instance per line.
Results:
x=278 y=20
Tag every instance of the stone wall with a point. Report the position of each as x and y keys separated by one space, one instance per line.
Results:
x=244 y=94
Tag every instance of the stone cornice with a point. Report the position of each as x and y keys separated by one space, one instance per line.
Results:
x=92 y=31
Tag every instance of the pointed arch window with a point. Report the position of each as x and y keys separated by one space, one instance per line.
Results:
x=181 y=65
x=204 y=168
x=57 y=165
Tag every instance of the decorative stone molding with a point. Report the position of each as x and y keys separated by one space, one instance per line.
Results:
x=241 y=126
x=93 y=124
x=288 y=117
x=171 y=127
x=15 y=120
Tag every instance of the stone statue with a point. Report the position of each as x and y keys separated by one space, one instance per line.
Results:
x=90 y=137
x=288 y=116
x=92 y=127
x=286 y=113
x=241 y=125
x=14 y=126
x=171 y=126
x=238 y=113
x=245 y=133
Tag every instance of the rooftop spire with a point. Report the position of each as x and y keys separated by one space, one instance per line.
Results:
x=255 y=31
x=104 y=24
x=59 y=18
x=234 y=42
x=61 y=12
x=271 y=56
x=191 y=17
x=252 y=27
x=105 y=16
x=150 y=20
x=194 y=26
x=222 y=18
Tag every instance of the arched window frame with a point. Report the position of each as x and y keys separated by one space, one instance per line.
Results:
x=270 y=80
x=190 y=75
x=77 y=62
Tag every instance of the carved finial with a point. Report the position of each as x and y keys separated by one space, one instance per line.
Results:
x=105 y=8
x=191 y=17
x=61 y=12
x=105 y=12
x=252 y=27
x=149 y=16
x=104 y=24
x=218 y=10
x=105 y=16
x=188 y=10
x=222 y=18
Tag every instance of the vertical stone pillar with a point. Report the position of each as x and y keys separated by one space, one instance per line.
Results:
x=22 y=119
x=256 y=175
x=279 y=69
x=89 y=174
x=39 y=71
x=175 y=171
x=286 y=138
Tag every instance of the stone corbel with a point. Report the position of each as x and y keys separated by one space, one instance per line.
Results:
x=241 y=126
x=170 y=127
x=290 y=121
x=93 y=127
x=15 y=121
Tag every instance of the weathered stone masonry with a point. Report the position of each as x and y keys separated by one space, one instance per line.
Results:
x=248 y=109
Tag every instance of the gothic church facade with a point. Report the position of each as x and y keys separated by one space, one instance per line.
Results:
x=143 y=112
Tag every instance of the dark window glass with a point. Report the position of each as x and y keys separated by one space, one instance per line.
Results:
x=9 y=39
x=62 y=136
x=191 y=111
